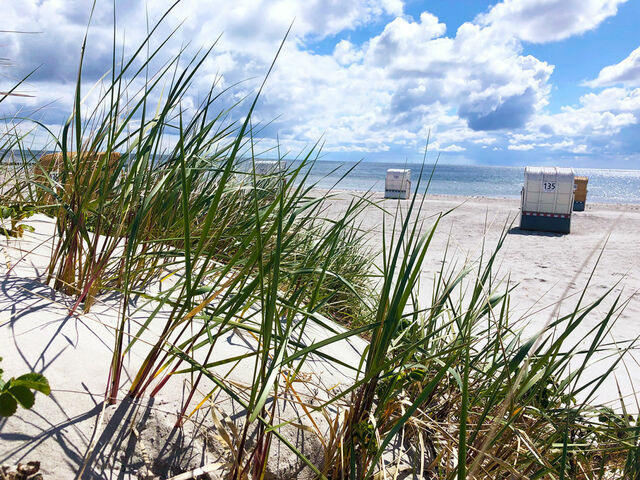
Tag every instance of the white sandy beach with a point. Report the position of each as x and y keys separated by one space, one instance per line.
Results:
x=73 y=350
x=550 y=270
x=36 y=332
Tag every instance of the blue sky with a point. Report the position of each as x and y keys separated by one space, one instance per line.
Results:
x=512 y=82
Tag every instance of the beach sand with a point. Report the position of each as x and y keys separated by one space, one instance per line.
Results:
x=551 y=270
x=36 y=332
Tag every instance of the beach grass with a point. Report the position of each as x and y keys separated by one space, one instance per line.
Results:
x=453 y=387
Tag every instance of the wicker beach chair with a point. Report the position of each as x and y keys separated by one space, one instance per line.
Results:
x=50 y=165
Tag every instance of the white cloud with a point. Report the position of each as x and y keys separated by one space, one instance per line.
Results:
x=470 y=88
x=565 y=145
x=401 y=39
x=346 y=52
x=478 y=71
x=580 y=149
x=541 y=21
x=627 y=73
x=453 y=148
x=602 y=114
x=401 y=83
x=590 y=128
x=527 y=137
x=485 y=140
x=613 y=99
x=521 y=147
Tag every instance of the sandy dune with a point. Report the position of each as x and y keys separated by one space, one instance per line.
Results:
x=73 y=350
x=549 y=268
x=37 y=333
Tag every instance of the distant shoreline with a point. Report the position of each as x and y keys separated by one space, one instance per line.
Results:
x=549 y=268
x=466 y=198
x=465 y=182
x=605 y=186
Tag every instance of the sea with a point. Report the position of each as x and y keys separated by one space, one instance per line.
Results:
x=605 y=185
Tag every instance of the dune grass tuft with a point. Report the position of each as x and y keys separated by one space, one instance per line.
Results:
x=144 y=191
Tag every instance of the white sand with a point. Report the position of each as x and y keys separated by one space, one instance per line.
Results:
x=547 y=267
x=36 y=332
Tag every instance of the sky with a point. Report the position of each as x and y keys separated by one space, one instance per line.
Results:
x=515 y=82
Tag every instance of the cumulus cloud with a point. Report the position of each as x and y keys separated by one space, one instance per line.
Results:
x=346 y=52
x=521 y=146
x=452 y=148
x=627 y=73
x=248 y=26
x=602 y=114
x=612 y=99
x=497 y=113
x=566 y=145
x=403 y=40
x=470 y=88
x=478 y=70
x=593 y=126
x=541 y=21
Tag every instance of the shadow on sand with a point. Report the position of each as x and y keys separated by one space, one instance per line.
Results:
x=534 y=233
x=132 y=437
x=138 y=439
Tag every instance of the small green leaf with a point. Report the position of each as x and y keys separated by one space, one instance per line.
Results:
x=23 y=395
x=523 y=351
x=26 y=228
x=34 y=381
x=8 y=405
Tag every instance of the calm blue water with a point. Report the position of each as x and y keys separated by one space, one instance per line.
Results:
x=610 y=186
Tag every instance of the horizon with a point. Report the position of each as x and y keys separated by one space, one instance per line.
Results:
x=508 y=83
x=416 y=162
x=444 y=164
